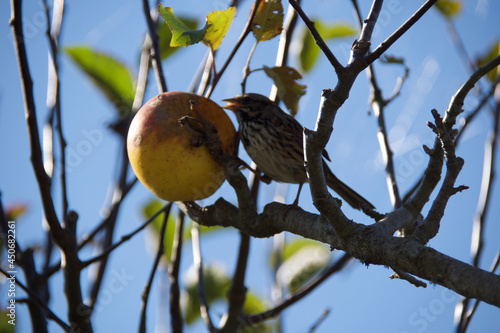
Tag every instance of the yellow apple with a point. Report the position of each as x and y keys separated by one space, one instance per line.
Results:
x=168 y=157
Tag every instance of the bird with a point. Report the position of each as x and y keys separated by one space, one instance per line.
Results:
x=273 y=140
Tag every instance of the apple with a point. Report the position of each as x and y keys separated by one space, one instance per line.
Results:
x=169 y=158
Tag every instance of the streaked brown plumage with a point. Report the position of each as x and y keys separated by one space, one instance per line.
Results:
x=273 y=140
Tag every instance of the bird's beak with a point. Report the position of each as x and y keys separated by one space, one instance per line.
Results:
x=232 y=104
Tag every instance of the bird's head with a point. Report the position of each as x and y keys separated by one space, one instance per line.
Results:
x=249 y=105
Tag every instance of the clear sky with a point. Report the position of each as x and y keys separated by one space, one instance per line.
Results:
x=361 y=298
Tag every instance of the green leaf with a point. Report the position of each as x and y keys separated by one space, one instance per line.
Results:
x=253 y=305
x=218 y=23
x=165 y=35
x=492 y=53
x=289 y=90
x=216 y=284
x=309 y=51
x=202 y=229
x=449 y=8
x=268 y=20
x=148 y=210
x=111 y=76
x=182 y=35
x=302 y=261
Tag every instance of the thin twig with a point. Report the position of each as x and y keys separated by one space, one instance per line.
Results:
x=159 y=253
x=115 y=206
x=319 y=321
x=173 y=273
x=32 y=123
x=292 y=299
x=484 y=202
x=378 y=104
x=317 y=38
x=384 y=46
x=467 y=120
x=120 y=185
x=54 y=90
x=198 y=264
x=244 y=34
x=155 y=49
x=237 y=290
x=478 y=227
x=399 y=274
x=126 y=237
x=284 y=45
x=50 y=315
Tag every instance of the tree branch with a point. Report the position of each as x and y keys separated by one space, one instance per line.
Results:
x=32 y=296
x=339 y=69
x=147 y=287
x=297 y=296
x=32 y=123
x=198 y=264
x=155 y=49
x=127 y=237
x=173 y=273
x=244 y=34
x=384 y=46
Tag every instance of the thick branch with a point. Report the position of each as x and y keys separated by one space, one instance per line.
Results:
x=367 y=244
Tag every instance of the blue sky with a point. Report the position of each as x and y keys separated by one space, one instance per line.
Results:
x=360 y=298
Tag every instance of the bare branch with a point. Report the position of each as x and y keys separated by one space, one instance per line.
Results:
x=318 y=39
x=384 y=46
x=50 y=315
x=147 y=287
x=198 y=264
x=398 y=274
x=462 y=307
x=237 y=290
x=151 y=18
x=304 y=291
x=366 y=243
x=173 y=273
x=244 y=34
x=54 y=90
x=378 y=105
x=165 y=209
x=31 y=119
x=284 y=45
x=457 y=101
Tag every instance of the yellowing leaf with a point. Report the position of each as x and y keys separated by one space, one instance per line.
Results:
x=289 y=90
x=268 y=20
x=15 y=211
x=449 y=8
x=218 y=23
x=165 y=36
x=182 y=35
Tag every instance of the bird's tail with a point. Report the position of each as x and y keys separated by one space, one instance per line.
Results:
x=350 y=196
